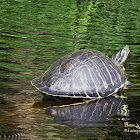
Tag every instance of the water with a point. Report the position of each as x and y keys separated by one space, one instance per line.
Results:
x=36 y=33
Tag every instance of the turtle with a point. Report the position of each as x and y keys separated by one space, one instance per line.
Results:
x=85 y=74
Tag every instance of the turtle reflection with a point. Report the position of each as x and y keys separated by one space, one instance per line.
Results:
x=90 y=113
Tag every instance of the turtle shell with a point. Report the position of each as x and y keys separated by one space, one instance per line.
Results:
x=82 y=74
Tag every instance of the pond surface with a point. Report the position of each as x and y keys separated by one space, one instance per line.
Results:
x=36 y=33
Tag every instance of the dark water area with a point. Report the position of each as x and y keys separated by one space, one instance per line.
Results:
x=36 y=33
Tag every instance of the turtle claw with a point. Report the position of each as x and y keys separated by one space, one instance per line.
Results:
x=127 y=83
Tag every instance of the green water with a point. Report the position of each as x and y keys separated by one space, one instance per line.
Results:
x=36 y=33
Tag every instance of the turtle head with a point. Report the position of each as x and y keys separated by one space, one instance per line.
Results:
x=121 y=55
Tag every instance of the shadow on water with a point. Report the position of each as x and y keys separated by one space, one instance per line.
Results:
x=89 y=113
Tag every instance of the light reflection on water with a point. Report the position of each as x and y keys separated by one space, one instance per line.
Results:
x=90 y=113
x=33 y=35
